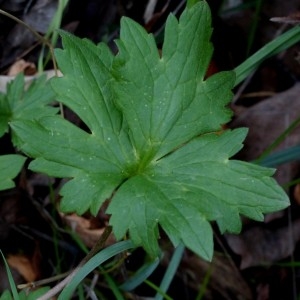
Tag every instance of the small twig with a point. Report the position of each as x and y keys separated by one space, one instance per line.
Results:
x=98 y=246
x=242 y=88
x=258 y=94
x=34 y=32
x=37 y=283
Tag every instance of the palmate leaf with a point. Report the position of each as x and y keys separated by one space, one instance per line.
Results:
x=153 y=144
x=19 y=103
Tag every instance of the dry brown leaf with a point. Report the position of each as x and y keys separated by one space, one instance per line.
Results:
x=83 y=227
x=24 y=265
x=258 y=246
x=225 y=281
x=296 y=193
x=266 y=122
x=4 y=79
x=22 y=66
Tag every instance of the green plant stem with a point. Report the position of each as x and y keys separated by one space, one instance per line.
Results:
x=97 y=247
x=204 y=284
x=52 y=31
x=156 y=288
x=287 y=185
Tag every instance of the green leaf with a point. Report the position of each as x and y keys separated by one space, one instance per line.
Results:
x=10 y=166
x=6 y=295
x=21 y=104
x=190 y=3
x=153 y=142
x=33 y=295
x=170 y=102
x=10 y=279
x=92 y=264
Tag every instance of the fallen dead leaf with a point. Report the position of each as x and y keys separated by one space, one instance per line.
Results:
x=22 y=66
x=4 y=79
x=24 y=265
x=266 y=122
x=259 y=246
x=296 y=194
x=225 y=280
x=84 y=228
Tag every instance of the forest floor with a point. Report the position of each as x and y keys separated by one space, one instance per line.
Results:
x=263 y=262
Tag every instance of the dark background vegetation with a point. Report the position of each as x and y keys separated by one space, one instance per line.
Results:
x=261 y=263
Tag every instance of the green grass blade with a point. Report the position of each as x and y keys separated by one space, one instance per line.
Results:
x=278 y=140
x=204 y=284
x=171 y=270
x=10 y=279
x=254 y=25
x=80 y=293
x=92 y=264
x=279 y=44
x=56 y=21
x=281 y=157
x=237 y=8
x=52 y=31
x=113 y=287
x=291 y=183
x=140 y=276
x=158 y=290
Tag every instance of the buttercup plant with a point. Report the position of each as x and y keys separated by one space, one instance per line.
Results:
x=154 y=144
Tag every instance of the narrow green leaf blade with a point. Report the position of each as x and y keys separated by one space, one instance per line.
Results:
x=92 y=264
x=140 y=275
x=171 y=271
x=279 y=44
x=10 y=279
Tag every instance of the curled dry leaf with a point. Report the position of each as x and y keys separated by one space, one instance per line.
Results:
x=26 y=266
x=22 y=66
x=84 y=229
x=259 y=246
